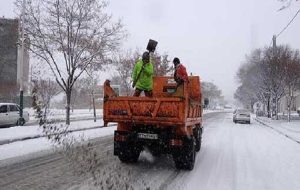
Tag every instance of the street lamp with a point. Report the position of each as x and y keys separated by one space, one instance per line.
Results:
x=21 y=120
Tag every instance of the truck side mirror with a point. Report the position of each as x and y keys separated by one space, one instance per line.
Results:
x=206 y=102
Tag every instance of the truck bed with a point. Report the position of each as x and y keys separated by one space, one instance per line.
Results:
x=182 y=107
x=145 y=110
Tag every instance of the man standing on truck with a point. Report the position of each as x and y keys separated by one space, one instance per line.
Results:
x=142 y=76
x=180 y=74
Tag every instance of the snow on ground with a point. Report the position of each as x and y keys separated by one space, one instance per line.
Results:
x=292 y=129
x=205 y=111
x=60 y=113
x=242 y=156
x=35 y=145
x=19 y=132
x=233 y=156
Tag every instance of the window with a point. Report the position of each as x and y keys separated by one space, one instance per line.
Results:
x=13 y=108
x=3 y=109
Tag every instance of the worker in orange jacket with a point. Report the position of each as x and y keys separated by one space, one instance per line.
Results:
x=180 y=74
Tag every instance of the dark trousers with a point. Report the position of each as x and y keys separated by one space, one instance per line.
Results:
x=138 y=92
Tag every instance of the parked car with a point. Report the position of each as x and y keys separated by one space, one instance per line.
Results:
x=241 y=116
x=10 y=115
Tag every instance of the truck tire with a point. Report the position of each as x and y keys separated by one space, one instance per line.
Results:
x=198 y=139
x=155 y=150
x=186 y=159
x=129 y=154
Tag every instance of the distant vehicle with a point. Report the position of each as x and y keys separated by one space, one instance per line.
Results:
x=298 y=111
x=241 y=116
x=219 y=108
x=10 y=115
x=227 y=107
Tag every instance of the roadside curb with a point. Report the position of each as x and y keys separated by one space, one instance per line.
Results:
x=3 y=142
x=71 y=119
x=276 y=130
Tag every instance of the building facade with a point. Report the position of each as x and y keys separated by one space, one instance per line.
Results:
x=283 y=106
x=9 y=61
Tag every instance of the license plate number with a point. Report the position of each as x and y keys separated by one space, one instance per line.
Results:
x=147 y=136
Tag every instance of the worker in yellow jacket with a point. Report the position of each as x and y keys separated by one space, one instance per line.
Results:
x=142 y=76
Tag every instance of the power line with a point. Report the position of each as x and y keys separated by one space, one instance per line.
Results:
x=288 y=24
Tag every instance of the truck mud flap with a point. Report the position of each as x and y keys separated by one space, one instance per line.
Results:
x=122 y=139
x=179 y=144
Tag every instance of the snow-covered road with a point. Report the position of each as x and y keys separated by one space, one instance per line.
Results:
x=233 y=157
x=241 y=156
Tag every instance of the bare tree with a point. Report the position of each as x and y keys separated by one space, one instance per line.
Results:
x=274 y=60
x=292 y=78
x=212 y=92
x=254 y=85
x=91 y=83
x=43 y=92
x=264 y=77
x=261 y=79
x=70 y=35
x=124 y=64
x=161 y=64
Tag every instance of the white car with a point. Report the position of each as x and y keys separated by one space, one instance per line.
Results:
x=242 y=116
x=10 y=115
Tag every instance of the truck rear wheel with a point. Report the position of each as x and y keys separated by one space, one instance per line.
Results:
x=155 y=150
x=198 y=139
x=129 y=153
x=186 y=159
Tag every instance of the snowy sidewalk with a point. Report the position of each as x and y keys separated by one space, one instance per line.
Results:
x=58 y=115
x=288 y=129
x=19 y=149
x=22 y=140
x=19 y=133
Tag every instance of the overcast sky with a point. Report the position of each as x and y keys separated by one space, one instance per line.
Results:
x=210 y=37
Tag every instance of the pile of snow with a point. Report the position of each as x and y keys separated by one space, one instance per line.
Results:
x=35 y=145
x=18 y=132
x=61 y=113
x=40 y=144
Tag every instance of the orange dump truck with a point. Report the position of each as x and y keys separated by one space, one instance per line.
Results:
x=170 y=122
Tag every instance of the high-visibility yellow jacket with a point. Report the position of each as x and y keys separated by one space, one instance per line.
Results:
x=145 y=81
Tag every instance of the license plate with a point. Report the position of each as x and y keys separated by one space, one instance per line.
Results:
x=147 y=136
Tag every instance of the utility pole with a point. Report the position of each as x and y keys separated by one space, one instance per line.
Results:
x=21 y=120
x=274 y=44
x=274 y=101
